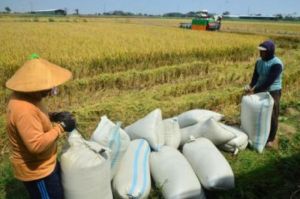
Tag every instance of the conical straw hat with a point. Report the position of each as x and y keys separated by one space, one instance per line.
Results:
x=37 y=75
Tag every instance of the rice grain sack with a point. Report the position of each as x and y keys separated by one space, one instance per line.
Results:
x=85 y=169
x=112 y=136
x=197 y=116
x=190 y=132
x=256 y=113
x=238 y=143
x=210 y=129
x=132 y=180
x=172 y=132
x=149 y=128
x=212 y=169
x=174 y=175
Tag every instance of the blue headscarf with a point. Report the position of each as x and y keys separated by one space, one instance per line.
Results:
x=270 y=46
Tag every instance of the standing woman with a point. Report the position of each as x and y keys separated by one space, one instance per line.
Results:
x=32 y=135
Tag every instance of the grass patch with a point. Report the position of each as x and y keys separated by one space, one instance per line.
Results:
x=10 y=188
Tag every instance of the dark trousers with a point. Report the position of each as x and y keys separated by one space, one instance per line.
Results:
x=49 y=187
x=275 y=114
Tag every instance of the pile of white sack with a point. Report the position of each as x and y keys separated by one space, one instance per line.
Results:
x=119 y=163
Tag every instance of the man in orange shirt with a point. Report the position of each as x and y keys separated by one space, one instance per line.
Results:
x=32 y=135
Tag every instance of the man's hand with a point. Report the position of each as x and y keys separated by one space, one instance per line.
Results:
x=248 y=90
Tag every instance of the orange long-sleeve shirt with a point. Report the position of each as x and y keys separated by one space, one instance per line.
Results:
x=32 y=138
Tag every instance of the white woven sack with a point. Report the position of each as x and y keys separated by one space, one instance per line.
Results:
x=174 y=175
x=132 y=180
x=191 y=132
x=212 y=169
x=85 y=169
x=256 y=113
x=197 y=116
x=149 y=128
x=112 y=136
x=238 y=143
x=172 y=132
x=210 y=129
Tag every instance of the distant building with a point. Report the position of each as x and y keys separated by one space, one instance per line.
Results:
x=255 y=17
x=258 y=17
x=50 y=12
x=231 y=16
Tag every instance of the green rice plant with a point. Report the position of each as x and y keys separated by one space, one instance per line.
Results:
x=102 y=52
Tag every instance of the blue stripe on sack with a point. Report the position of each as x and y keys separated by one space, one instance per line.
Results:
x=112 y=138
x=267 y=133
x=258 y=127
x=118 y=145
x=264 y=130
x=135 y=167
x=145 y=167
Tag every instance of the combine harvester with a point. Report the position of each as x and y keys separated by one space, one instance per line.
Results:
x=204 y=21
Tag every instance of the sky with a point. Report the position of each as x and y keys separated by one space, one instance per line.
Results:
x=235 y=7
